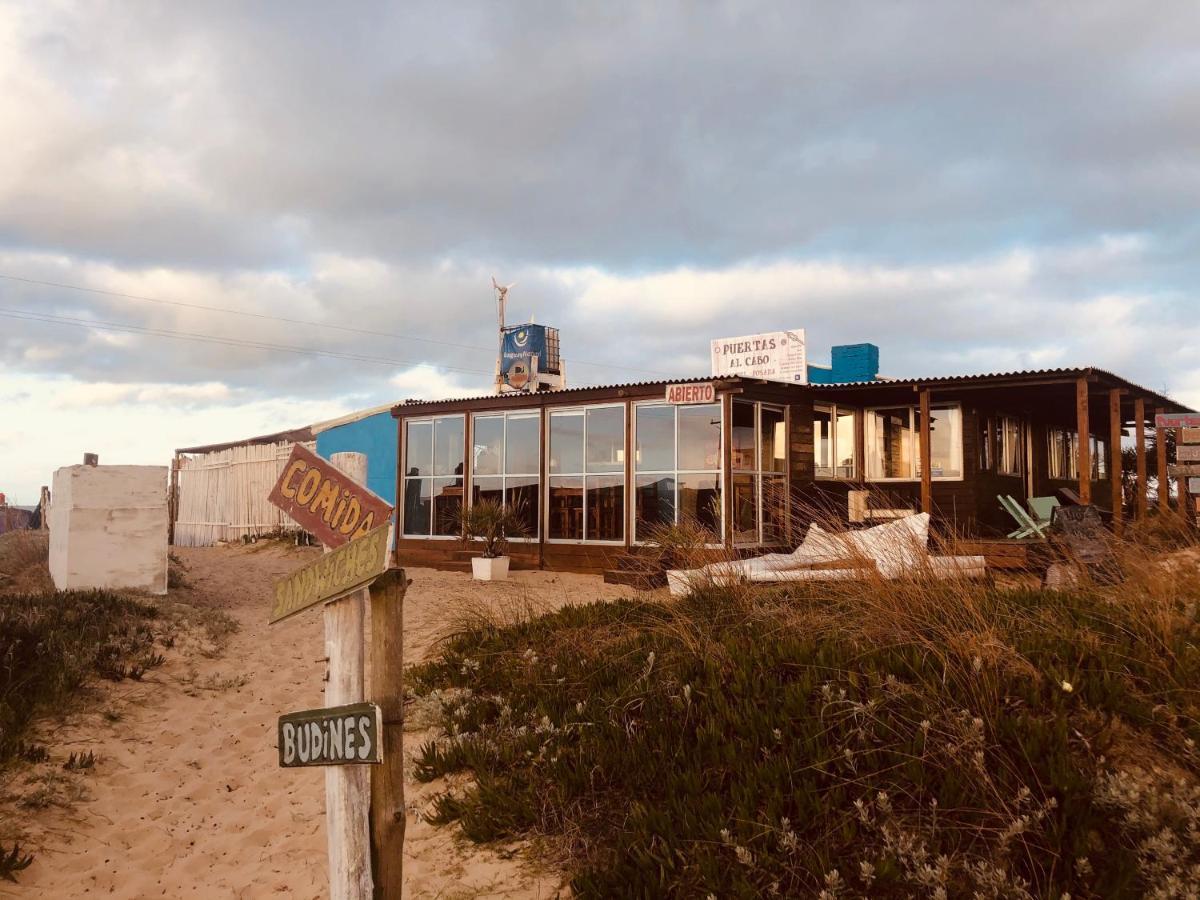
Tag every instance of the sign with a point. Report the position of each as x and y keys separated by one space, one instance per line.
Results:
x=773 y=356
x=332 y=575
x=1183 y=471
x=1187 y=452
x=1190 y=436
x=519 y=345
x=332 y=736
x=1194 y=485
x=704 y=392
x=1177 y=420
x=324 y=502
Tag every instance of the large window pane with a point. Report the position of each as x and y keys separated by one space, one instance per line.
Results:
x=521 y=495
x=521 y=447
x=743 y=435
x=447 y=501
x=844 y=440
x=487 y=489
x=700 y=437
x=774 y=505
x=655 y=434
x=566 y=442
x=890 y=444
x=448 y=445
x=700 y=501
x=606 y=439
x=655 y=503
x=823 y=442
x=565 y=508
x=605 y=508
x=418 y=448
x=745 y=509
x=488 y=440
x=945 y=442
x=772 y=440
x=417 y=506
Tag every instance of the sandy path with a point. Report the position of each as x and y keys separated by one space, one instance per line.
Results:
x=188 y=799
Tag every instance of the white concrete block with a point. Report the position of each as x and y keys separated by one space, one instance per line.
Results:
x=108 y=528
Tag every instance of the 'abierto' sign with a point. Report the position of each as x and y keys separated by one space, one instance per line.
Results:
x=704 y=392
x=331 y=736
x=773 y=356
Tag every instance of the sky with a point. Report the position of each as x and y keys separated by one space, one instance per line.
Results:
x=974 y=187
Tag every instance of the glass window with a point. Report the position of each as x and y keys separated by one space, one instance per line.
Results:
x=774 y=509
x=945 y=442
x=823 y=441
x=700 y=437
x=674 y=487
x=744 y=445
x=745 y=509
x=844 y=440
x=655 y=434
x=889 y=435
x=431 y=504
x=1008 y=443
x=833 y=442
x=772 y=440
x=655 y=502
x=985 y=443
x=506 y=463
x=583 y=503
x=700 y=500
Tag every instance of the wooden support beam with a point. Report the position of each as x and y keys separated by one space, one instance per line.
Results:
x=1160 y=460
x=1083 y=429
x=387 y=778
x=727 y=465
x=1114 y=457
x=1139 y=426
x=347 y=788
x=926 y=455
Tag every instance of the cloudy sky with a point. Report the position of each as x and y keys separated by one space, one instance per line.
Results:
x=973 y=187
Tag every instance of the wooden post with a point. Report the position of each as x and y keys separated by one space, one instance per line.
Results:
x=1160 y=459
x=1114 y=459
x=347 y=788
x=926 y=455
x=1139 y=426
x=387 y=692
x=1083 y=429
x=727 y=465
x=173 y=500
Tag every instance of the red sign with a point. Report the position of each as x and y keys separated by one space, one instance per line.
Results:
x=1177 y=420
x=703 y=392
x=324 y=502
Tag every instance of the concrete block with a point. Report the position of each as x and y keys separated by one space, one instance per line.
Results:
x=108 y=528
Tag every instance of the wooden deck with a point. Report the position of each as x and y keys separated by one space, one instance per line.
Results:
x=1006 y=553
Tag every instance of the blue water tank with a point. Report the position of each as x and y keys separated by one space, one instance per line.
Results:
x=849 y=362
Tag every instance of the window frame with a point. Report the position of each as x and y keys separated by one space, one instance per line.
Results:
x=834 y=410
x=402 y=516
x=623 y=473
x=504 y=475
x=758 y=473
x=915 y=449
x=1001 y=421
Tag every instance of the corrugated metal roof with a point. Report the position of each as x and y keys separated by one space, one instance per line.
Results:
x=574 y=390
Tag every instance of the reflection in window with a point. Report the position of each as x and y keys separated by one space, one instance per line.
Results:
x=893 y=443
x=433 y=483
x=505 y=462
x=945 y=442
x=833 y=442
x=760 y=491
x=586 y=494
x=678 y=466
x=1008 y=445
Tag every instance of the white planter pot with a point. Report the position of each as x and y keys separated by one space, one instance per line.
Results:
x=484 y=569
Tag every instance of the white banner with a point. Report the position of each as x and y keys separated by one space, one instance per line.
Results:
x=773 y=356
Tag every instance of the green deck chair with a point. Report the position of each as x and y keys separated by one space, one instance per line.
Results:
x=1028 y=527
x=1043 y=509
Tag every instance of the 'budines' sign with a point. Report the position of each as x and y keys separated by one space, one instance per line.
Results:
x=332 y=736
x=324 y=502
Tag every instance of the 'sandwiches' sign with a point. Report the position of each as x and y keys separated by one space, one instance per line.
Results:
x=332 y=736
x=332 y=575
x=331 y=507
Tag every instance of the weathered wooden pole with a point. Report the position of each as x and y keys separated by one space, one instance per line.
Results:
x=387 y=692
x=1114 y=459
x=347 y=788
x=1139 y=429
x=1160 y=461
x=1084 y=432
x=926 y=455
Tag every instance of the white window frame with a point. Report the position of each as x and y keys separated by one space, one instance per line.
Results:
x=504 y=474
x=405 y=479
x=559 y=410
x=631 y=484
x=915 y=439
x=834 y=409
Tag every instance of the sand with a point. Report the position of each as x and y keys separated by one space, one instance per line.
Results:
x=187 y=799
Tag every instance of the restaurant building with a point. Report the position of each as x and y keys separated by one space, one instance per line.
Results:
x=592 y=470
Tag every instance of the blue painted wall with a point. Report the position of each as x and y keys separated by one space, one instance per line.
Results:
x=850 y=362
x=374 y=436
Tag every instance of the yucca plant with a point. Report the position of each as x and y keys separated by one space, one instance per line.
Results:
x=492 y=523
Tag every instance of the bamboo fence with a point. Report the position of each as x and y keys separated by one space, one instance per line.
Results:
x=223 y=494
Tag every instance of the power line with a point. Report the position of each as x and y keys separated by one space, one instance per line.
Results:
x=9 y=312
x=255 y=315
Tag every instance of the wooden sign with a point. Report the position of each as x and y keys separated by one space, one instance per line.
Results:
x=1193 y=485
x=1177 y=420
x=332 y=736
x=339 y=572
x=1187 y=452
x=704 y=392
x=331 y=507
x=1190 y=436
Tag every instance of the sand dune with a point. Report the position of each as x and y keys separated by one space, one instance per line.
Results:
x=187 y=799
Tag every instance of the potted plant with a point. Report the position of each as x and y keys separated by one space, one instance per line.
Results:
x=492 y=523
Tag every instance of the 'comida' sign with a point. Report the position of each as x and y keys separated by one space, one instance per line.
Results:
x=704 y=392
x=333 y=736
x=335 y=574
x=324 y=502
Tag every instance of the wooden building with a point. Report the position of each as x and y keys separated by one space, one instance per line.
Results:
x=592 y=469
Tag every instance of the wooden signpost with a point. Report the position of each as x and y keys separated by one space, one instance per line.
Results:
x=1187 y=456
x=328 y=500
x=1187 y=452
